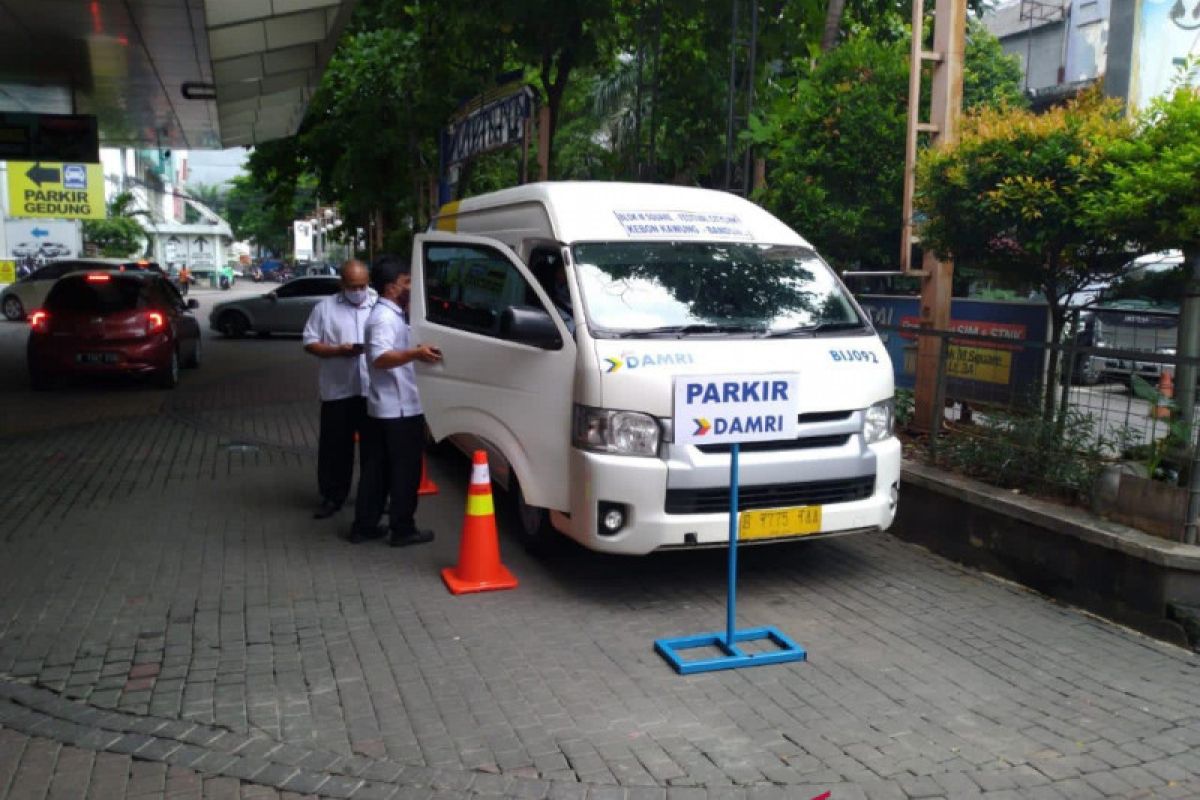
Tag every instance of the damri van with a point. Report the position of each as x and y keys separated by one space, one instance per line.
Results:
x=565 y=311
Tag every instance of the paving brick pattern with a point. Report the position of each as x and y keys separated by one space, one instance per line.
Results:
x=173 y=622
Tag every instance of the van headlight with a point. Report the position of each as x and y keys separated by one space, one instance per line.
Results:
x=625 y=433
x=878 y=422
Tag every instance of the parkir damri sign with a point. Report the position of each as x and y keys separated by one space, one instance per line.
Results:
x=723 y=409
x=48 y=189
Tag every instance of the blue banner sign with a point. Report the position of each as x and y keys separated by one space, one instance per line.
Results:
x=976 y=368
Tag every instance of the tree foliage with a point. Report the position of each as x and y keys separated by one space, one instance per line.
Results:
x=637 y=90
x=1015 y=194
x=120 y=234
x=834 y=141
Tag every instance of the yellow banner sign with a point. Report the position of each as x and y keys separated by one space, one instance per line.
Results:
x=979 y=364
x=8 y=272
x=56 y=190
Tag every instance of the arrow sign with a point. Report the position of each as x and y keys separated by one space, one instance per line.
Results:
x=39 y=174
x=39 y=232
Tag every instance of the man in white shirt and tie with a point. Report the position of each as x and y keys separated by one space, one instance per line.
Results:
x=395 y=437
x=334 y=333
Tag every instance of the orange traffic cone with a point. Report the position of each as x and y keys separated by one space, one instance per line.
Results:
x=427 y=485
x=479 y=568
x=1166 y=391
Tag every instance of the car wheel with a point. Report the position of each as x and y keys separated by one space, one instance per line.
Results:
x=13 y=309
x=169 y=377
x=234 y=324
x=193 y=359
x=533 y=524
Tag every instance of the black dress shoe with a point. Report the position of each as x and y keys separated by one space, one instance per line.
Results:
x=356 y=536
x=327 y=509
x=418 y=536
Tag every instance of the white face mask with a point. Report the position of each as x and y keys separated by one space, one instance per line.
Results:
x=355 y=296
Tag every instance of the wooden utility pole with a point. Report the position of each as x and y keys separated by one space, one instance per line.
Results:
x=945 y=106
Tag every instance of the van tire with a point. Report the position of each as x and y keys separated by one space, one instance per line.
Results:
x=532 y=523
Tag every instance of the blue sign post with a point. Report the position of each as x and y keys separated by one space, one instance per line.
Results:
x=733 y=409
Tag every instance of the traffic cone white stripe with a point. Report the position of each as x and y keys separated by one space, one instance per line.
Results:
x=480 y=475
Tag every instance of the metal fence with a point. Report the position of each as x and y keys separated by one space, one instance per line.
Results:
x=1111 y=412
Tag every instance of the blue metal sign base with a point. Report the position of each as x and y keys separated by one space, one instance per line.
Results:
x=734 y=656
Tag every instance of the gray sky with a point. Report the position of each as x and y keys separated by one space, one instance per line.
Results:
x=215 y=166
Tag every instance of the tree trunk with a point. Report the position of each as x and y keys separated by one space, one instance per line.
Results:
x=1188 y=345
x=560 y=64
x=1050 y=388
x=833 y=24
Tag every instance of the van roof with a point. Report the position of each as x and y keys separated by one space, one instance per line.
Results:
x=581 y=211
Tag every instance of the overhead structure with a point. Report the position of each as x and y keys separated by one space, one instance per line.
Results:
x=190 y=74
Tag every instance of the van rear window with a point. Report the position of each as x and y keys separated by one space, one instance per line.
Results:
x=77 y=293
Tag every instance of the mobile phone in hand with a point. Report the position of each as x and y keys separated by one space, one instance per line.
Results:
x=358 y=347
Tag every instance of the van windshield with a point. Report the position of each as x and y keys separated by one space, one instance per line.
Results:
x=676 y=289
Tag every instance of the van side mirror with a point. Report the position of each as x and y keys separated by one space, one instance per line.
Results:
x=193 y=303
x=531 y=326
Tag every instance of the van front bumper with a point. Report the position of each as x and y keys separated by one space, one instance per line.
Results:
x=639 y=486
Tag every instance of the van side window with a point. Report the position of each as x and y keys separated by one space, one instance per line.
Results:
x=469 y=287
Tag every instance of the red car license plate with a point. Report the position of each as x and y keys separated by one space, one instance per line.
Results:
x=96 y=358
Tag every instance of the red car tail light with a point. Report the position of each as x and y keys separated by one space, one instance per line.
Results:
x=98 y=277
x=40 y=321
x=155 y=322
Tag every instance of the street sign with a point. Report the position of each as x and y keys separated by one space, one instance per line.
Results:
x=731 y=409
x=486 y=124
x=8 y=272
x=56 y=190
x=724 y=409
x=303 y=243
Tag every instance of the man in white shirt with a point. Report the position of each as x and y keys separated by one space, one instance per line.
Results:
x=395 y=438
x=334 y=333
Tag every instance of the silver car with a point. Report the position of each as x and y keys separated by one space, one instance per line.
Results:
x=284 y=310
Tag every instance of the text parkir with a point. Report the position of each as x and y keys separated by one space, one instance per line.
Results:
x=737 y=392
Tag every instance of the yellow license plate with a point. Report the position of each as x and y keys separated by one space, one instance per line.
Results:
x=775 y=522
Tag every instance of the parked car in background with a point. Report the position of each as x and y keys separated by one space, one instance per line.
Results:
x=18 y=299
x=110 y=321
x=284 y=310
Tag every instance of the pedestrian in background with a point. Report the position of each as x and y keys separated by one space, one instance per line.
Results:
x=395 y=438
x=335 y=334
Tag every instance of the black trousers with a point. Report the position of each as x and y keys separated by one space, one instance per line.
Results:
x=391 y=465
x=340 y=420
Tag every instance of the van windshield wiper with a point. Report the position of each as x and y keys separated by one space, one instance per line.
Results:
x=679 y=331
x=813 y=330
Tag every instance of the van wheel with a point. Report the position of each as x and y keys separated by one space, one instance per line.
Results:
x=533 y=524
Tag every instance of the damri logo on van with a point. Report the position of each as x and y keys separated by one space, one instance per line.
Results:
x=631 y=360
x=703 y=426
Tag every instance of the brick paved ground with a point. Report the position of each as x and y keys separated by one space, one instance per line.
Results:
x=172 y=622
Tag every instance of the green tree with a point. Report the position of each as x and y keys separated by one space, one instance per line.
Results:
x=265 y=215
x=1153 y=199
x=1013 y=197
x=210 y=195
x=120 y=234
x=834 y=142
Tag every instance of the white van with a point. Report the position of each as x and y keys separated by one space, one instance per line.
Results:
x=564 y=311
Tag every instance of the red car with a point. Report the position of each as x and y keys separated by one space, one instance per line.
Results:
x=103 y=322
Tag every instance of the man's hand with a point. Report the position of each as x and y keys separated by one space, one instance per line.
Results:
x=427 y=353
x=349 y=350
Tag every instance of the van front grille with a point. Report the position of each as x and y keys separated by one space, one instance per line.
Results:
x=807 y=443
x=774 y=495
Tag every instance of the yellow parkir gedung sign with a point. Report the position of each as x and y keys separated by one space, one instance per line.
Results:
x=8 y=272
x=56 y=190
